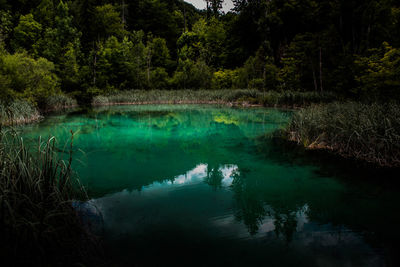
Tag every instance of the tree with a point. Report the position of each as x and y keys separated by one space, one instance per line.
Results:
x=378 y=75
x=27 y=78
x=214 y=7
x=192 y=75
x=27 y=33
x=108 y=22
x=56 y=39
x=5 y=26
x=45 y=13
x=70 y=69
x=61 y=45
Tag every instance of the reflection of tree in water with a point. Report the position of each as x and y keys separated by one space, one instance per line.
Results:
x=252 y=207
x=214 y=176
x=285 y=224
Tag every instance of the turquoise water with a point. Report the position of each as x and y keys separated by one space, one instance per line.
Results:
x=210 y=186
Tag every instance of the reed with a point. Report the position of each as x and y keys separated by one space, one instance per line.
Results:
x=369 y=132
x=59 y=102
x=232 y=96
x=18 y=112
x=38 y=225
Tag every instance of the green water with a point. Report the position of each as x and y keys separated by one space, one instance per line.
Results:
x=209 y=186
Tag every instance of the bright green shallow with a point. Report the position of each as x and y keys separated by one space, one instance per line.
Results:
x=203 y=185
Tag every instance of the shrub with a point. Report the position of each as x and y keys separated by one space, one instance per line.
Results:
x=27 y=78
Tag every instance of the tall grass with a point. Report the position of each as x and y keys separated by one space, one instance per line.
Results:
x=38 y=225
x=18 y=112
x=21 y=111
x=234 y=96
x=59 y=102
x=369 y=132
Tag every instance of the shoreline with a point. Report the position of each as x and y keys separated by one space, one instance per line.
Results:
x=185 y=102
x=316 y=145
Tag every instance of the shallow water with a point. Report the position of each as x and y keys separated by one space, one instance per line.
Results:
x=209 y=186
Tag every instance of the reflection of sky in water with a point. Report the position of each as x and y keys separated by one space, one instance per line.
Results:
x=131 y=213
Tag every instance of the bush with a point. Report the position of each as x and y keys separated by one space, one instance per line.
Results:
x=223 y=79
x=192 y=75
x=27 y=78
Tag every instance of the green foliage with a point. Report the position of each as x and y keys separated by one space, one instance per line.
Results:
x=122 y=64
x=108 y=22
x=159 y=78
x=379 y=74
x=27 y=33
x=307 y=45
x=224 y=79
x=5 y=26
x=160 y=55
x=290 y=75
x=69 y=69
x=57 y=40
x=27 y=78
x=193 y=75
x=206 y=41
x=45 y=13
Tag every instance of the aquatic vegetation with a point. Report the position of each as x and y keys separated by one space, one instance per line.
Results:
x=59 y=102
x=18 y=112
x=38 y=223
x=368 y=132
x=234 y=96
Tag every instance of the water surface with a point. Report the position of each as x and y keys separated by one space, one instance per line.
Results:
x=209 y=186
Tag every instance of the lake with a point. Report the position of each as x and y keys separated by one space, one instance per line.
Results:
x=207 y=185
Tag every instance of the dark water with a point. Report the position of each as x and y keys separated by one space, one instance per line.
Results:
x=209 y=186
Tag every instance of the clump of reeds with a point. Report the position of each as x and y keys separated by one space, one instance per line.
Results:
x=297 y=99
x=233 y=96
x=18 y=112
x=38 y=225
x=369 y=132
x=59 y=102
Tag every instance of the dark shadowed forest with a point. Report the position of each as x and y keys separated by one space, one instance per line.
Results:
x=84 y=48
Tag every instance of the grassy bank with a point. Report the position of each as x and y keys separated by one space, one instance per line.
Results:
x=21 y=111
x=18 y=112
x=38 y=224
x=369 y=132
x=290 y=99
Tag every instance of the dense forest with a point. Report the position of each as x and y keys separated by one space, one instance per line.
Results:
x=84 y=48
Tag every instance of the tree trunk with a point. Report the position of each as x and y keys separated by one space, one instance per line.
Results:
x=314 y=76
x=94 y=65
x=184 y=18
x=123 y=14
x=320 y=68
x=148 y=66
